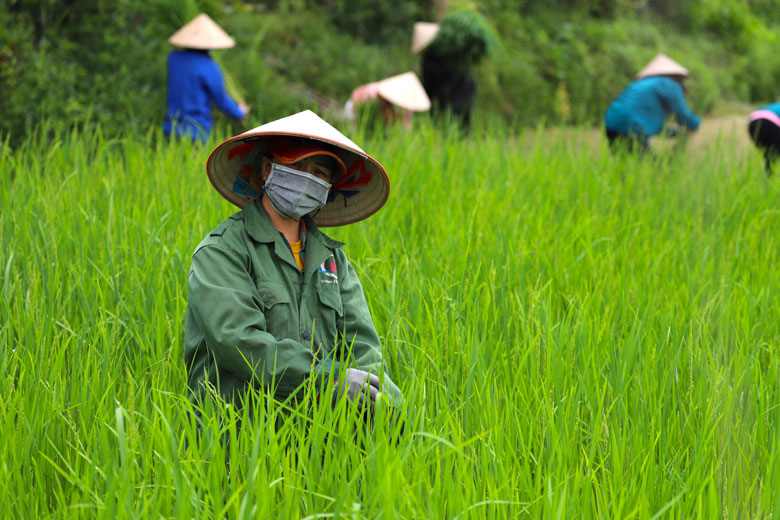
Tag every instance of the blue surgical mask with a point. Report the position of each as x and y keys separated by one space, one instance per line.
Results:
x=294 y=193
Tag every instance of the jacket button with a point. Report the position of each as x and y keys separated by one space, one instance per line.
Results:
x=306 y=335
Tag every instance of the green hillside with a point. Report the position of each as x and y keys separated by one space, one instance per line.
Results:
x=559 y=61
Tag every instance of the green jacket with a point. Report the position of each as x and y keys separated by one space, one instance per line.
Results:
x=253 y=318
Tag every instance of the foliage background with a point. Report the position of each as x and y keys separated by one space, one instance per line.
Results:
x=561 y=61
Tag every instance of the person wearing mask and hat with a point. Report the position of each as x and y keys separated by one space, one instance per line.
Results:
x=640 y=111
x=764 y=130
x=195 y=81
x=403 y=91
x=273 y=302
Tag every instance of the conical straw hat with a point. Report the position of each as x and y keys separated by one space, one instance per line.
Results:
x=423 y=35
x=202 y=33
x=663 y=65
x=234 y=169
x=405 y=91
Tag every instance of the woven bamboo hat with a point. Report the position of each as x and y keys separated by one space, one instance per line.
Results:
x=663 y=65
x=405 y=91
x=202 y=33
x=234 y=168
x=423 y=35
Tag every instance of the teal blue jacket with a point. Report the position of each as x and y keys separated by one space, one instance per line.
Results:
x=642 y=108
x=772 y=107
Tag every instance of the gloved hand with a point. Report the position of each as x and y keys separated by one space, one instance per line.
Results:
x=358 y=386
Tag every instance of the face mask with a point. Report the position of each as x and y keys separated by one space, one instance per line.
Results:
x=294 y=193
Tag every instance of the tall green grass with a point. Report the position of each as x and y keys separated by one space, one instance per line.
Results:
x=577 y=334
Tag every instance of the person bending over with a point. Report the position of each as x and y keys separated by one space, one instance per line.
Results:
x=764 y=130
x=641 y=109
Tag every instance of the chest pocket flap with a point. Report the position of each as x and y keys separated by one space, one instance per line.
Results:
x=271 y=294
x=330 y=297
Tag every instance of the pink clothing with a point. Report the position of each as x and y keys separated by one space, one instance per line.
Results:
x=365 y=92
x=765 y=114
x=370 y=91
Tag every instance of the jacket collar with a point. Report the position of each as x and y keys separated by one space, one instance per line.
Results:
x=260 y=228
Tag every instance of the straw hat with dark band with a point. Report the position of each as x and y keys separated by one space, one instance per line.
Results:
x=202 y=33
x=234 y=167
x=663 y=65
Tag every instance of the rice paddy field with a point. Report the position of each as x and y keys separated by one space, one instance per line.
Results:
x=578 y=335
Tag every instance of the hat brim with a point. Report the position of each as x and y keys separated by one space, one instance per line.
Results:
x=202 y=33
x=234 y=169
x=662 y=65
x=405 y=91
x=423 y=35
x=292 y=154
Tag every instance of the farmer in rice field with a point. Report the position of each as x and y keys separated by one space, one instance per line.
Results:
x=764 y=130
x=399 y=97
x=195 y=81
x=640 y=111
x=449 y=51
x=273 y=301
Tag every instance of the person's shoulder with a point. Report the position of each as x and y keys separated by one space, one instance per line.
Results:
x=192 y=57
x=773 y=107
x=667 y=83
x=204 y=60
x=176 y=57
x=329 y=242
x=228 y=235
x=648 y=82
x=637 y=85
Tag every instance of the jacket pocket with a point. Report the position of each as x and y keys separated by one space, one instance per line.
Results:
x=275 y=302
x=328 y=315
x=330 y=297
x=271 y=293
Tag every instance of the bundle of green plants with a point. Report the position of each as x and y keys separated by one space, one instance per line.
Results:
x=466 y=35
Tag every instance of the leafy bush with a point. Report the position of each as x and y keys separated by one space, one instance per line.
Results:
x=373 y=21
x=282 y=65
x=105 y=61
x=464 y=35
x=78 y=62
x=734 y=22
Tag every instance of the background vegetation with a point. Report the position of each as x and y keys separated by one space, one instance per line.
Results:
x=561 y=61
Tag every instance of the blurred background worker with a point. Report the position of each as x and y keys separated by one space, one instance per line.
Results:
x=764 y=130
x=449 y=51
x=403 y=91
x=195 y=80
x=640 y=111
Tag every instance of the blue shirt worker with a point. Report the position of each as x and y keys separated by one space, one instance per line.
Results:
x=640 y=111
x=195 y=81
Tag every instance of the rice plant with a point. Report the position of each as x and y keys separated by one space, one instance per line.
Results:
x=578 y=334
